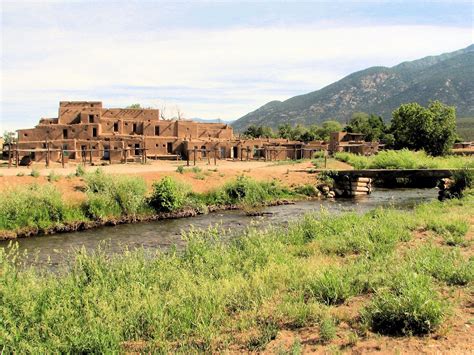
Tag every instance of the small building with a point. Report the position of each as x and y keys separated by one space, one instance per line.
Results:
x=352 y=143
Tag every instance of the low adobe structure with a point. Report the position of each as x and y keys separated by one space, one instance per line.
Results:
x=352 y=143
x=84 y=130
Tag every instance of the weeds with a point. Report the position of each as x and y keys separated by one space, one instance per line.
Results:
x=53 y=177
x=80 y=170
x=409 y=306
x=35 y=173
x=404 y=159
x=217 y=288
x=180 y=169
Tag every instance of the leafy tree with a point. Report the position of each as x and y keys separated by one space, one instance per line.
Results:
x=9 y=137
x=254 y=131
x=135 y=106
x=327 y=127
x=431 y=128
x=372 y=126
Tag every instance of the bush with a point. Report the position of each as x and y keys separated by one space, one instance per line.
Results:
x=463 y=179
x=410 y=306
x=307 y=190
x=80 y=170
x=110 y=195
x=53 y=177
x=249 y=192
x=35 y=173
x=21 y=173
x=31 y=206
x=180 y=169
x=168 y=195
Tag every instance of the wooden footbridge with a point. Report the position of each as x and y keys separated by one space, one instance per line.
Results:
x=359 y=182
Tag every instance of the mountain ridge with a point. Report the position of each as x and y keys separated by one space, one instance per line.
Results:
x=448 y=77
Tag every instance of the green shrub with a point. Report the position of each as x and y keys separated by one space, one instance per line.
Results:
x=21 y=173
x=180 y=169
x=80 y=170
x=196 y=169
x=168 y=195
x=35 y=173
x=307 y=190
x=448 y=266
x=38 y=206
x=410 y=306
x=109 y=195
x=327 y=329
x=53 y=177
x=463 y=179
x=333 y=286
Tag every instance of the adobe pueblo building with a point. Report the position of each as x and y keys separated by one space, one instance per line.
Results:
x=85 y=131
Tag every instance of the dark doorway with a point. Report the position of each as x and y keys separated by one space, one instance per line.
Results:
x=169 y=147
x=64 y=133
x=236 y=152
x=116 y=127
x=203 y=151
x=94 y=132
x=137 y=149
x=106 y=155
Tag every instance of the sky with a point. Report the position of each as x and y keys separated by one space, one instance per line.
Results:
x=210 y=59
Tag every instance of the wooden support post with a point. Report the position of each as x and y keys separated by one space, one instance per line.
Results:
x=187 y=157
x=241 y=154
x=62 y=157
x=248 y=151
x=215 y=156
x=90 y=154
x=47 y=154
x=17 y=157
x=208 y=154
x=9 y=155
x=194 y=158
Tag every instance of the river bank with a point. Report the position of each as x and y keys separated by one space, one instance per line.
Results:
x=388 y=279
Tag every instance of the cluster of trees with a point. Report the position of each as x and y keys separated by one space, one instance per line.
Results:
x=432 y=128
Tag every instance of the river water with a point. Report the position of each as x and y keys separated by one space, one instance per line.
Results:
x=53 y=251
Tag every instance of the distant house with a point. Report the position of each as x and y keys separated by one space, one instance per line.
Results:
x=352 y=143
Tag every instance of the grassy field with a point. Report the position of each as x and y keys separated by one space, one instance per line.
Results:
x=405 y=159
x=465 y=128
x=401 y=274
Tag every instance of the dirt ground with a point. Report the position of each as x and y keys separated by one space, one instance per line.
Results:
x=210 y=176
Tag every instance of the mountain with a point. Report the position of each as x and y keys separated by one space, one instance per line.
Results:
x=448 y=77
x=212 y=120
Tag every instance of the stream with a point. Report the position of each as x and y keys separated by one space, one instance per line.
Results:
x=53 y=251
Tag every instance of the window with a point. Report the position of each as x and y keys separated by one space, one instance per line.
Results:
x=94 y=132
x=157 y=130
x=134 y=128
x=115 y=126
x=65 y=133
x=91 y=118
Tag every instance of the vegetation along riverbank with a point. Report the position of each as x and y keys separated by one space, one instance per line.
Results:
x=114 y=199
x=400 y=278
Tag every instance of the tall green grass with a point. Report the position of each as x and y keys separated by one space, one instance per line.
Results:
x=242 y=291
x=35 y=206
x=115 y=196
x=404 y=159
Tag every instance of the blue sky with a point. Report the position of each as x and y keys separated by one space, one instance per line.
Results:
x=211 y=59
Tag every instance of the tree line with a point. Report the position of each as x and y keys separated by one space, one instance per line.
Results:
x=431 y=128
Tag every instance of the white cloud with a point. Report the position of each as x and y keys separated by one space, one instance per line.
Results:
x=224 y=73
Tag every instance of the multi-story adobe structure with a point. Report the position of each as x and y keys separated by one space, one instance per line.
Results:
x=84 y=130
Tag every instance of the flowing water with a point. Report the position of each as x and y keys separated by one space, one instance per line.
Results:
x=53 y=251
